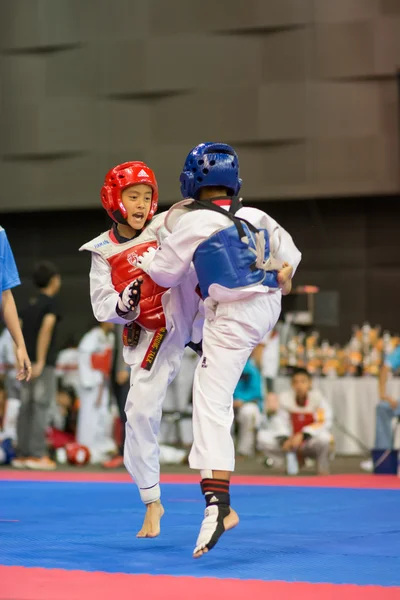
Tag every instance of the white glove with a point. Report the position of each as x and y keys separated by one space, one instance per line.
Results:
x=129 y=298
x=145 y=260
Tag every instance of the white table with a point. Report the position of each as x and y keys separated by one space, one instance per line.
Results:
x=353 y=401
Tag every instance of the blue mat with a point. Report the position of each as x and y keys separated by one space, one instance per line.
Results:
x=285 y=533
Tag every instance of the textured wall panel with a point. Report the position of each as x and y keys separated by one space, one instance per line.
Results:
x=283 y=110
x=74 y=73
x=344 y=49
x=387 y=45
x=306 y=89
x=106 y=20
x=180 y=16
x=37 y=24
x=287 y=56
x=389 y=7
x=342 y=11
x=23 y=78
x=344 y=109
x=207 y=114
x=121 y=123
x=53 y=126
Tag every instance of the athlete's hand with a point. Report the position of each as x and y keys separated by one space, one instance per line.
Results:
x=129 y=298
x=37 y=369
x=285 y=274
x=24 y=367
x=297 y=440
x=285 y=278
x=145 y=260
x=393 y=403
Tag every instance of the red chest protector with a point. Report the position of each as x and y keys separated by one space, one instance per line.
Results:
x=300 y=420
x=102 y=361
x=124 y=269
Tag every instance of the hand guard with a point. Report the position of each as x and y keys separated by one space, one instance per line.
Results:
x=129 y=298
x=145 y=260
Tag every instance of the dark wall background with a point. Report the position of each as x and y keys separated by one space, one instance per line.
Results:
x=348 y=245
x=304 y=89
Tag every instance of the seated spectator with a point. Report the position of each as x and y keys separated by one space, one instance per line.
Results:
x=95 y=420
x=386 y=410
x=247 y=404
x=62 y=430
x=267 y=358
x=301 y=427
x=67 y=371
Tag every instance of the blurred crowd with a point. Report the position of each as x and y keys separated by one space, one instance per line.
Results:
x=362 y=355
x=72 y=410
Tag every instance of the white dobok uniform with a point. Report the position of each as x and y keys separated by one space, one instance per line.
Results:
x=94 y=426
x=113 y=268
x=67 y=368
x=236 y=320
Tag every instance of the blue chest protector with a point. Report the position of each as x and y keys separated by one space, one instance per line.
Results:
x=229 y=256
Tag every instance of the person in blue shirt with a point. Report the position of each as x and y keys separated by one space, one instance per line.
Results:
x=387 y=408
x=9 y=279
x=248 y=407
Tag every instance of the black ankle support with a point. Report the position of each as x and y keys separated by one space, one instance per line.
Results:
x=216 y=491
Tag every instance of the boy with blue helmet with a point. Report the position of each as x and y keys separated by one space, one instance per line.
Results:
x=244 y=263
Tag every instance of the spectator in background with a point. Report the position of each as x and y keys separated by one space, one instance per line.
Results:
x=9 y=279
x=95 y=423
x=387 y=408
x=267 y=357
x=67 y=365
x=120 y=383
x=248 y=407
x=39 y=323
x=301 y=428
x=62 y=430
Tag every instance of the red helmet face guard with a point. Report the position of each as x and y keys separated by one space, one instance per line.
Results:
x=121 y=177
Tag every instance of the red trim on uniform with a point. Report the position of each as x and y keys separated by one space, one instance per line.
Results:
x=226 y=202
x=112 y=236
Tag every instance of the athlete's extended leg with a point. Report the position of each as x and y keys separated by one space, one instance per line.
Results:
x=230 y=334
x=143 y=411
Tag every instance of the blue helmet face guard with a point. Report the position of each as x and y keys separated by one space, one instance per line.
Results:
x=210 y=165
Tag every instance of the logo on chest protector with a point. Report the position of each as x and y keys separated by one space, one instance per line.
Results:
x=132 y=259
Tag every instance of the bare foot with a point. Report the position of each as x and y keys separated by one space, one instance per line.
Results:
x=230 y=522
x=151 y=523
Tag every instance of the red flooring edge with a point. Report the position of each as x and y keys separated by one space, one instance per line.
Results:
x=365 y=481
x=20 y=583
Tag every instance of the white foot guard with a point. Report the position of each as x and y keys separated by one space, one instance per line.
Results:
x=212 y=527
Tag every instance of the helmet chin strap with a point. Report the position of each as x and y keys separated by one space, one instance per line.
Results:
x=119 y=218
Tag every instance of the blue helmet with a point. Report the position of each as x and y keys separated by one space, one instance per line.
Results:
x=210 y=165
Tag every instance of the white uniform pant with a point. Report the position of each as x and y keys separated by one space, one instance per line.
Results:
x=95 y=421
x=144 y=410
x=11 y=418
x=231 y=332
x=179 y=399
x=248 y=418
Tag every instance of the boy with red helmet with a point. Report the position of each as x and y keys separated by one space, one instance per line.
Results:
x=122 y=293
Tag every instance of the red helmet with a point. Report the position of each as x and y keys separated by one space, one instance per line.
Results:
x=121 y=177
x=77 y=454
